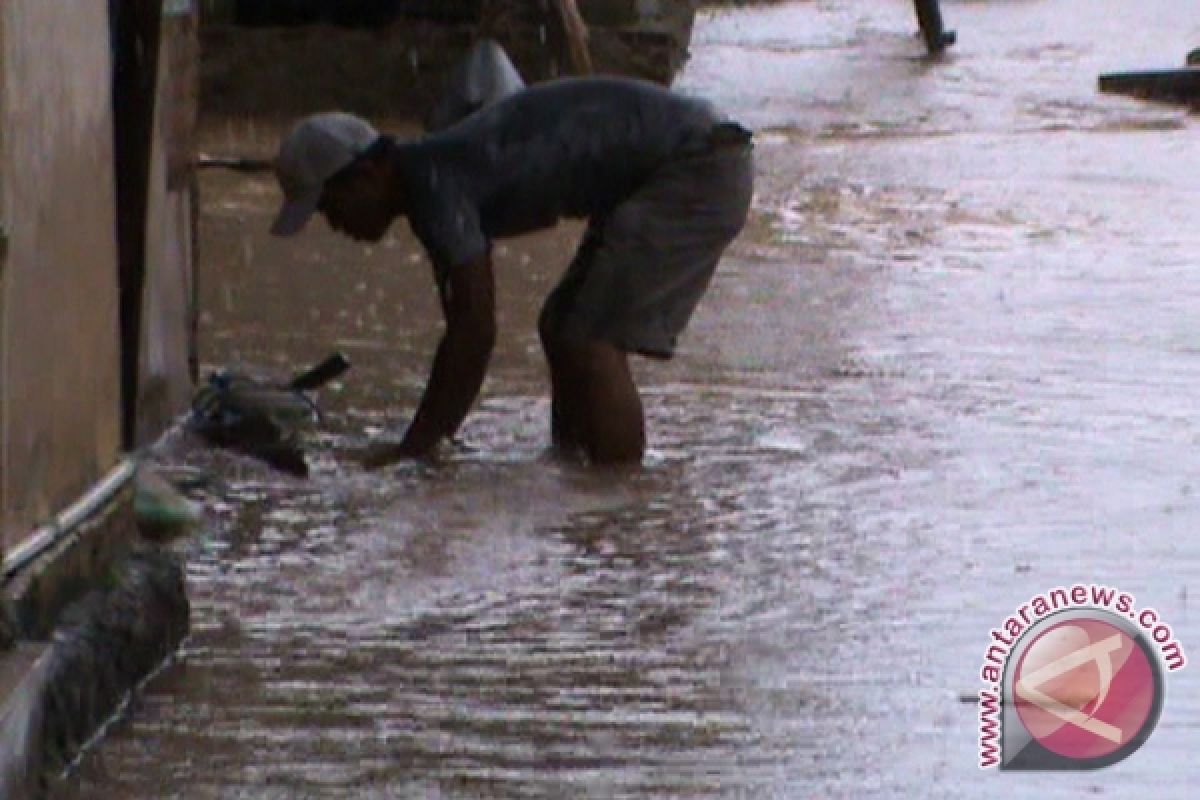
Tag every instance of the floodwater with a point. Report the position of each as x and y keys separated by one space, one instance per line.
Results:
x=952 y=363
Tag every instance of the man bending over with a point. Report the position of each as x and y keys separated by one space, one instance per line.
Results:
x=663 y=180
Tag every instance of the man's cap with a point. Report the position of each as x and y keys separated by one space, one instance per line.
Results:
x=315 y=150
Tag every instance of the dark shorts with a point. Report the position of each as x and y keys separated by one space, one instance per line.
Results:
x=641 y=270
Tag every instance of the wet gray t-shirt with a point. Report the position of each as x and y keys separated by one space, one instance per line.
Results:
x=570 y=148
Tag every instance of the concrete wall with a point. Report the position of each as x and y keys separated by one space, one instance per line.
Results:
x=60 y=340
x=166 y=363
x=59 y=387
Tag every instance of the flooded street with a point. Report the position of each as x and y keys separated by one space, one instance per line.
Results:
x=953 y=362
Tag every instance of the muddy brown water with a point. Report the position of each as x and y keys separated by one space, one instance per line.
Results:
x=952 y=363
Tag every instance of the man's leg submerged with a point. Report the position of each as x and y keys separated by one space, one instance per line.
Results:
x=564 y=427
x=612 y=426
x=594 y=406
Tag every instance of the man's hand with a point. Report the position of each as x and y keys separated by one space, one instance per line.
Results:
x=458 y=367
x=468 y=300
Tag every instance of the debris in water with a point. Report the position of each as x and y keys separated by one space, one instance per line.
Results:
x=162 y=512
x=184 y=478
x=1176 y=85
x=330 y=368
x=262 y=419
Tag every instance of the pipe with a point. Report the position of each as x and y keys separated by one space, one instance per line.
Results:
x=65 y=523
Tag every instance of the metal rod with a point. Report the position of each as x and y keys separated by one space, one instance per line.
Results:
x=235 y=163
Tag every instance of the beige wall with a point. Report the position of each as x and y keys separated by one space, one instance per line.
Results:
x=59 y=388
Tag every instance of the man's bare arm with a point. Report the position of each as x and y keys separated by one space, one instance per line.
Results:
x=468 y=300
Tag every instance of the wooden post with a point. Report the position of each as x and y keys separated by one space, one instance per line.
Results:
x=576 y=33
x=567 y=32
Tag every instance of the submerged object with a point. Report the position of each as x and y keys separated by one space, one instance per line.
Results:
x=485 y=76
x=1178 y=85
x=263 y=419
x=162 y=512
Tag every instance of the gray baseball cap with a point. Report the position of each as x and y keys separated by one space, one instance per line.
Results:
x=315 y=150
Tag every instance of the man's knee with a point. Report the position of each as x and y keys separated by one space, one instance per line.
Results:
x=598 y=358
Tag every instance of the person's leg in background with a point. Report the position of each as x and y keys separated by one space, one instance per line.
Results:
x=929 y=17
